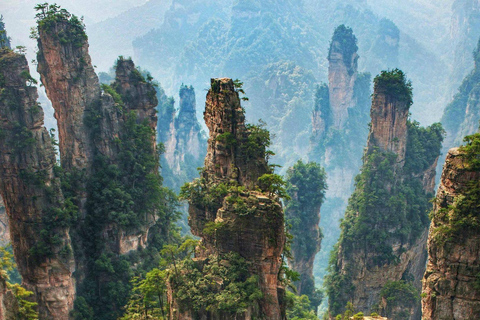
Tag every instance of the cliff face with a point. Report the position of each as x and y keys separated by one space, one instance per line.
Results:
x=107 y=193
x=450 y=284
x=184 y=142
x=461 y=116
x=38 y=217
x=381 y=253
x=245 y=221
x=389 y=125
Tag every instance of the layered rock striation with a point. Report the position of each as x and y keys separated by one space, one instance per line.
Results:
x=381 y=254
x=234 y=206
x=451 y=285
x=38 y=215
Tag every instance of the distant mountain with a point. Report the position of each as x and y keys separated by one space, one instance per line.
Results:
x=113 y=37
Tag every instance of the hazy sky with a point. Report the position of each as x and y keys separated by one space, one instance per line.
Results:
x=19 y=14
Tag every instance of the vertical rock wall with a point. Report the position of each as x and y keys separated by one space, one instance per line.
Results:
x=33 y=199
x=451 y=281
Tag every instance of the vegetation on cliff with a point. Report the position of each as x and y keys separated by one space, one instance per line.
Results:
x=345 y=42
x=389 y=205
x=306 y=185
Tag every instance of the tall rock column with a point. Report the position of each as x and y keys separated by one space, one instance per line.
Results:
x=236 y=216
x=342 y=73
x=71 y=84
x=380 y=257
x=38 y=216
x=185 y=144
x=340 y=129
x=451 y=282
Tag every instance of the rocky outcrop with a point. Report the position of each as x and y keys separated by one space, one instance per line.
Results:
x=338 y=145
x=450 y=284
x=381 y=253
x=342 y=74
x=185 y=143
x=388 y=130
x=4 y=229
x=38 y=217
x=245 y=220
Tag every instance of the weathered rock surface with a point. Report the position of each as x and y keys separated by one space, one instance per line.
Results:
x=256 y=234
x=32 y=193
x=450 y=284
x=389 y=125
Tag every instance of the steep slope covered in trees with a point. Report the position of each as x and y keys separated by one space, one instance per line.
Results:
x=306 y=185
x=380 y=257
x=451 y=281
x=235 y=210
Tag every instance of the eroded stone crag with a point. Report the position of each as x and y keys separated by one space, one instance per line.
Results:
x=450 y=284
x=382 y=249
x=235 y=215
x=38 y=216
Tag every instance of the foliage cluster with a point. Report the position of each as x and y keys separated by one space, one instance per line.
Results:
x=394 y=83
x=299 y=307
x=26 y=308
x=399 y=295
x=222 y=283
x=50 y=18
x=344 y=41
